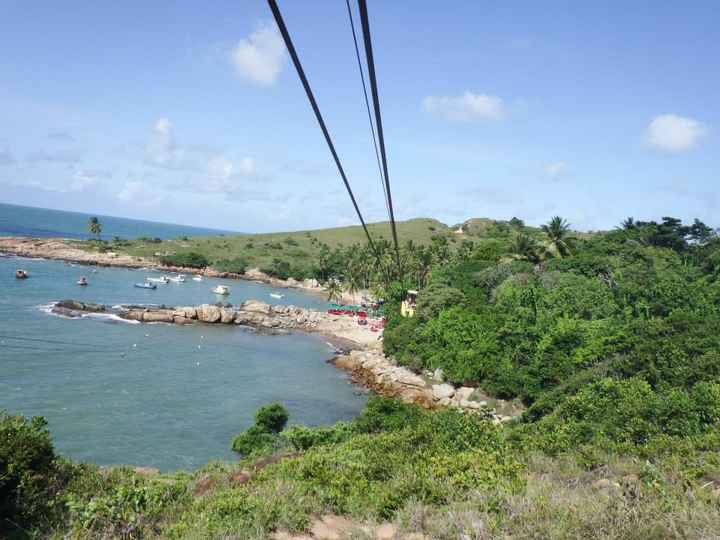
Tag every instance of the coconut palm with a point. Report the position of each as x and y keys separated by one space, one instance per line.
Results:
x=525 y=247
x=559 y=242
x=95 y=227
x=352 y=285
x=628 y=224
x=334 y=290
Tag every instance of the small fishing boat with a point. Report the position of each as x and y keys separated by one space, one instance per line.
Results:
x=162 y=279
x=82 y=281
x=221 y=289
x=21 y=274
x=146 y=285
x=277 y=295
x=180 y=278
x=197 y=278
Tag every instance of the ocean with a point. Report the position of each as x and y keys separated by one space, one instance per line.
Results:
x=155 y=395
x=41 y=222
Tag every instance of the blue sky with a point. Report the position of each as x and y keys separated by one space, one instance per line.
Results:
x=178 y=112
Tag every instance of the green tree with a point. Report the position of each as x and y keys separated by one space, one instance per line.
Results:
x=334 y=290
x=95 y=227
x=525 y=247
x=557 y=231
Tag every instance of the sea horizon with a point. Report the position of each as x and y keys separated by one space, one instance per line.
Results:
x=35 y=221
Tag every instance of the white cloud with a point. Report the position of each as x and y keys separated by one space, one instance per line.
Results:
x=468 y=107
x=84 y=179
x=556 y=169
x=162 y=149
x=140 y=193
x=247 y=167
x=672 y=133
x=220 y=167
x=260 y=58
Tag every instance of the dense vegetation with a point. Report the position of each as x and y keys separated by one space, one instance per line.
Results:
x=611 y=341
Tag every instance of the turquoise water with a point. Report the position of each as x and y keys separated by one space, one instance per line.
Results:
x=156 y=395
x=41 y=222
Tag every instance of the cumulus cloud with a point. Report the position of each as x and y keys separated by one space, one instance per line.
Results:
x=162 y=149
x=468 y=107
x=84 y=179
x=672 y=133
x=556 y=169
x=261 y=56
x=140 y=193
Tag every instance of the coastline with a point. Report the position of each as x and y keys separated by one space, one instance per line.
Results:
x=359 y=349
x=58 y=249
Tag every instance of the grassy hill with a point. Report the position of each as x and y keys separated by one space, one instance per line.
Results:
x=298 y=247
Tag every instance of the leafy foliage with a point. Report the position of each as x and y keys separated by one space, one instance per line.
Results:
x=189 y=260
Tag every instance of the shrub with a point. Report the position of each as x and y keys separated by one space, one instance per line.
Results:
x=271 y=418
x=190 y=259
x=237 y=265
x=254 y=440
x=28 y=472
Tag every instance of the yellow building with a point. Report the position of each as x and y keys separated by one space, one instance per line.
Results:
x=407 y=308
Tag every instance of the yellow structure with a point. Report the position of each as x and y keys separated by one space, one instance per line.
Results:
x=407 y=308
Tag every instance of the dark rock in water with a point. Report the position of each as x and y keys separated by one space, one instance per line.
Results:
x=76 y=305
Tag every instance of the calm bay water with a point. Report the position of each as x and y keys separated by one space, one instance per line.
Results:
x=41 y=222
x=156 y=395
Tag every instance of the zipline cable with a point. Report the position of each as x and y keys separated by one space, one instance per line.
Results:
x=378 y=120
x=301 y=73
x=367 y=107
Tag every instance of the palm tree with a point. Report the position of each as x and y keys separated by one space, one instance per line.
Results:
x=558 y=240
x=525 y=247
x=95 y=227
x=334 y=290
x=352 y=286
x=628 y=224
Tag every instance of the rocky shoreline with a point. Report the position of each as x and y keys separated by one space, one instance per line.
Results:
x=360 y=351
x=59 y=250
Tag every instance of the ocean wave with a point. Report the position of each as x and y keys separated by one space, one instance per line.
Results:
x=105 y=317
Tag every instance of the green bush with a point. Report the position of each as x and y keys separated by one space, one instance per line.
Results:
x=190 y=259
x=29 y=476
x=254 y=440
x=237 y=265
x=271 y=418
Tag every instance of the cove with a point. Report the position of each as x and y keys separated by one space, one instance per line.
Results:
x=153 y=395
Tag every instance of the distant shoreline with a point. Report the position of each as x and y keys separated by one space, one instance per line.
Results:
x=58 y=249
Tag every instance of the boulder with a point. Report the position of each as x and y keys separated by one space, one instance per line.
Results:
x=181 y=320
x=187 y=311
x=463 y=393
x=227 y=315
x=208 y=313
x=468 y=404
x=255 y=306
x=407 y=377
x=441 y=391
x=158 y=316
x=438 y=375
x=133 y=315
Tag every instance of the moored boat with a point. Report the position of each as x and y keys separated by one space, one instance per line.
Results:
x=197 y=278
x=21 y=274
x=162 y=279
x=180 y=278
x=277 y=295
x=82 y=281
x=146 y=285
x=221 y=289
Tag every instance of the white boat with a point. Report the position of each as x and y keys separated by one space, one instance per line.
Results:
x=180 y=278
x=82 y=281
x=221 y=289
x=163 y=279
x=277 y=295
x=197 y=278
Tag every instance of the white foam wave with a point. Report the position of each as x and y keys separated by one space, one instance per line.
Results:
x=109 y=317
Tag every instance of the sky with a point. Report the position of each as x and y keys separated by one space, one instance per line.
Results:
x=192 y=113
